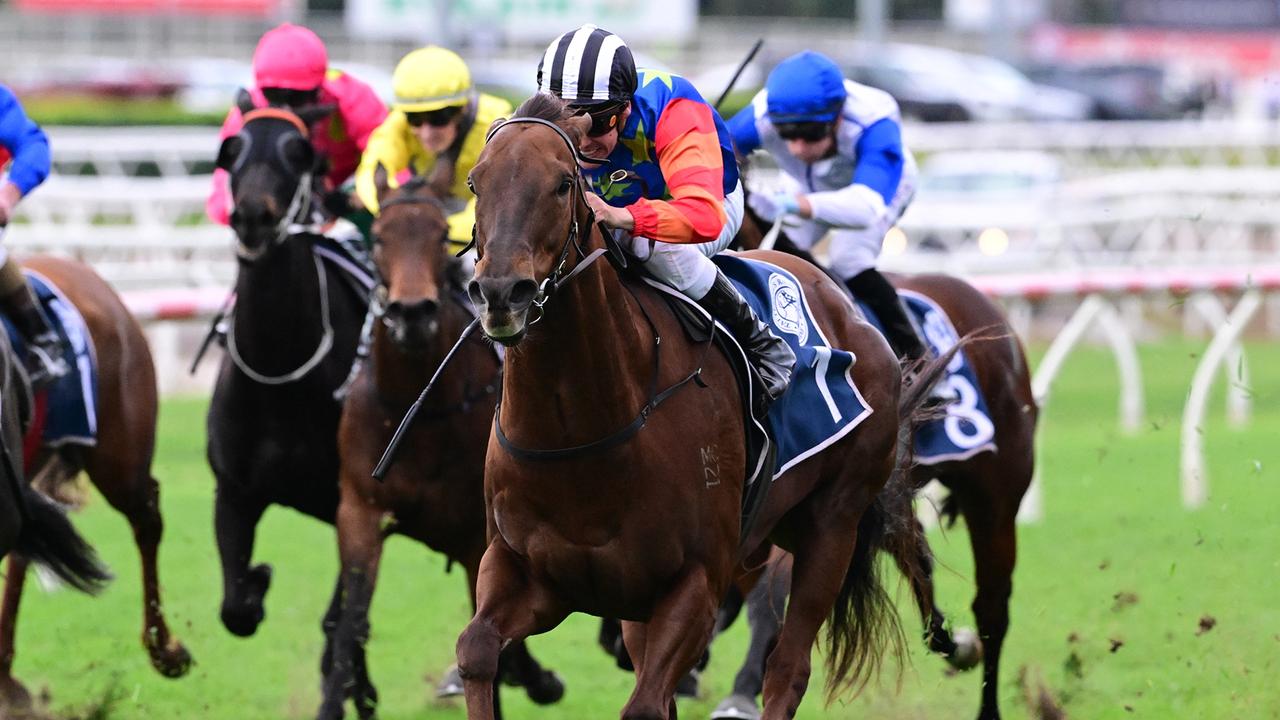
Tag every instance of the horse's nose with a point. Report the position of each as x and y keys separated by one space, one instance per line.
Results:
x=412 y=311
x=499 y=294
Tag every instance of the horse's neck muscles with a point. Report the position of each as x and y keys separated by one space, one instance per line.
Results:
x=584 y=370
x=277 y=316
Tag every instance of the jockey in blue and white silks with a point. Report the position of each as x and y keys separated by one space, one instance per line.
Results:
x=24 y=164
x=845 y=172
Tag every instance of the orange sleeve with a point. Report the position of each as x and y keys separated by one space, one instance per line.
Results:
x=689 y=155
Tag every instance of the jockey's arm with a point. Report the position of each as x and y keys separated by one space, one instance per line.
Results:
x=875 y=181
x=689 y=156
x=29 y=147
x=363 y=112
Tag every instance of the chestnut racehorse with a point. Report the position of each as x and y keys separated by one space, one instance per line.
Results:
x=986 y=489
x=435 y=493
x=600 y=500
x=119 y=465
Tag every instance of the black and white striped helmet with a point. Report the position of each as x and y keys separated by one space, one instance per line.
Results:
x=588 y=66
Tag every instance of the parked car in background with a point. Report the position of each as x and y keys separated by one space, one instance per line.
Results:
x=994 y=203
x=937 y=84
x=1128 y=91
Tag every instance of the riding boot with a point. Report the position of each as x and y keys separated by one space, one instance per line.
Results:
x=44 y=350
x=872 y=288
x=769 y=354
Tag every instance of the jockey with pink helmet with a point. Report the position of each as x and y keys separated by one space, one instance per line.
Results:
x=291 y=69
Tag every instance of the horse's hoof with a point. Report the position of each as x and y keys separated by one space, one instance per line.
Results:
x=968 y=652
x=736 y=707
x=330 y=711
x=15 y=701
x=243 y=618
x=450 y=685
x=548 y=689
x=688 y=685
x=172 y=661
x=367 y=703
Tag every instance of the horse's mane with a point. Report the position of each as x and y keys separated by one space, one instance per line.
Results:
x=544 y=106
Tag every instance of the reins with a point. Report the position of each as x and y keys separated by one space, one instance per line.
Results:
x=321 y=351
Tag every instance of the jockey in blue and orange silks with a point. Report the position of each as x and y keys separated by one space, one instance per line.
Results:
x=25 y=149
x=669 y=181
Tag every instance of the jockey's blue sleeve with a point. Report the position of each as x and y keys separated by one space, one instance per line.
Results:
x=25 y=141
x=880 y=158
x=746 y=137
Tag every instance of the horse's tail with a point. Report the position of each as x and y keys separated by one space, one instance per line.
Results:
x=49 y=539
x=864 y=621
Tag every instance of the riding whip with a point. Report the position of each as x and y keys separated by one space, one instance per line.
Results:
x=738 y=73
x=389 y=455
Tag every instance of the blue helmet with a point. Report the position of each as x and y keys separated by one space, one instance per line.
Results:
x=807 y=87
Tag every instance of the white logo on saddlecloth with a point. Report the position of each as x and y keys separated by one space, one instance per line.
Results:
x=788 y=310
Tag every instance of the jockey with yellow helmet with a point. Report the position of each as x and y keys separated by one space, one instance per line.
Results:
x=436 y=128
x=291 y=69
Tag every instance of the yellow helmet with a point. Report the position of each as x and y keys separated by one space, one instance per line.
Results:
x=431 y=78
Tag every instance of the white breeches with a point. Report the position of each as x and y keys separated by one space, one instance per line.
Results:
x=687 y=267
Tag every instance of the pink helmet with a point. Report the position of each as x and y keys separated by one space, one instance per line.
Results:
x=290 y=56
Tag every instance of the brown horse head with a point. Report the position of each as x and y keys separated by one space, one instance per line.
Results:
x=272 y=167
x=410 y=249
x=525 y=234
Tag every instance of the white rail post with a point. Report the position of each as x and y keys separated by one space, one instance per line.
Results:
x=1236 y=368
x=1195 y=484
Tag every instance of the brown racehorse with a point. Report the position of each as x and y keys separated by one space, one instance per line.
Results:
x=643 y=524
x=986 y=489
x=119 y=465
x=434 y=494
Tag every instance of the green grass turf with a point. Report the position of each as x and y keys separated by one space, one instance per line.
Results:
x=1114 y=528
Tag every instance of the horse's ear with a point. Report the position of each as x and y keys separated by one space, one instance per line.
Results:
x=229 y=152
x=380 y=183
x=298 y=154
x=577 y=126
x=313 y=113
x=492 y=127
x=244 y=101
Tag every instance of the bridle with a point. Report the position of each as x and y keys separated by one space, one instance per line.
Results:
x=378 y=299
x=290 y=224
x=299 y=217
x=557 y=279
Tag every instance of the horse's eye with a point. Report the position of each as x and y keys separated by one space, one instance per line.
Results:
x=565 y=184
x=471 y=185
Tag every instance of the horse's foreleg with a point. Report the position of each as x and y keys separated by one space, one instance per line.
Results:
x=243 y=588
x=13 y=696
x=360 y=550
x=675 y=637
x=509 y=606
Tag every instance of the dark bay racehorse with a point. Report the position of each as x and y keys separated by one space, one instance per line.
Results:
x=986 y=489
x=435 y=492
x=645 y=526
x=119 y=465
x=273 y=418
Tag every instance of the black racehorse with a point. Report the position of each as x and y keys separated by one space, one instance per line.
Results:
x=291 y=342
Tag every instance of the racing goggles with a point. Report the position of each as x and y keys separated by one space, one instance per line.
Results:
x=434 y=118
x=806 y=131
x=605 y=119
x=290 y=98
